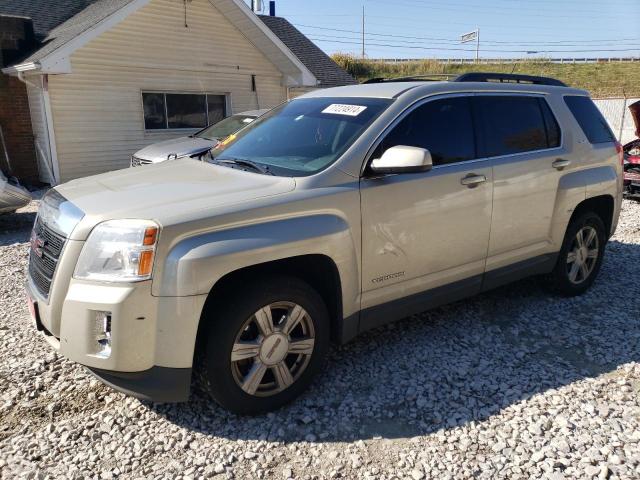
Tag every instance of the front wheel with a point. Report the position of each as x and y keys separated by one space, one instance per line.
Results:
x=264 y=345
x=581 y=256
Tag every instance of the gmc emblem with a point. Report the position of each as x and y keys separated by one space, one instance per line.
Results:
x=37 y=243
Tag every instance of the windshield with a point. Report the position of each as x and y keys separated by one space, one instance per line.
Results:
x=225 y=127
x=303 y=136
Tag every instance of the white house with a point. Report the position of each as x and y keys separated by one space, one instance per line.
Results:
x=117 y=75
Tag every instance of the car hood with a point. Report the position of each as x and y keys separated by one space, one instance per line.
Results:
x=182 y=146
x=168 y=192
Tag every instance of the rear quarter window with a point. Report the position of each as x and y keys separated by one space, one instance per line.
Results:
x=591 y=121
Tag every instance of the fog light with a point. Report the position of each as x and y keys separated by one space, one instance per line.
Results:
x=102 y=333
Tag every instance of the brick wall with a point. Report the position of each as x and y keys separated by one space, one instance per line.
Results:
x=18 y=134
x=16 y=41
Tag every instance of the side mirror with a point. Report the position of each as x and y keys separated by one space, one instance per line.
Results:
x=403 y=159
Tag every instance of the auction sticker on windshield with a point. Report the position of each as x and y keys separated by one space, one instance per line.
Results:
x=341 y=109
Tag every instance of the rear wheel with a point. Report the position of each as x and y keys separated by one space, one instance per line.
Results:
x=264 y=345
x=581 y=256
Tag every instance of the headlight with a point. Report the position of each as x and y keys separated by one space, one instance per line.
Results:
x=119 y=251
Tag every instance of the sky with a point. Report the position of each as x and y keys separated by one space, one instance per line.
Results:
x=432 y=28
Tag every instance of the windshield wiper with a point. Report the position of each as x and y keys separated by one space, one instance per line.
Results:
x=245 y=163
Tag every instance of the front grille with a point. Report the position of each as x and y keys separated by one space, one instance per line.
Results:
x=136 y=162
x=46 y=247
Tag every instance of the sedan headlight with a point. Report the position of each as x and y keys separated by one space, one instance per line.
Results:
x=119 y=251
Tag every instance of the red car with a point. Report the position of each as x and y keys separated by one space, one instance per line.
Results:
x=632 y=158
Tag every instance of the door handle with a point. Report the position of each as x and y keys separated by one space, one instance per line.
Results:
x=472 y=180
x=560 y=163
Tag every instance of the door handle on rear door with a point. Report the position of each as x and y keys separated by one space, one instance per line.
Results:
x=560 y=163
x=472 y=180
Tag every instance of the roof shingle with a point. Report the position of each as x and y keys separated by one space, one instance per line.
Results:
x=60 y=22
x=45 y=14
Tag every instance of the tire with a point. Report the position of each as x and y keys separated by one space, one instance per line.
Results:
x=238 y=328
x=564 y=280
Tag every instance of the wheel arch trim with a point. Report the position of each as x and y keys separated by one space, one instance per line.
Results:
x=580 y=186
x=194 y=265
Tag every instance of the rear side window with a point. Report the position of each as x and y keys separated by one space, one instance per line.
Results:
x=511 y=124
x=590 y=119
x=444 y=127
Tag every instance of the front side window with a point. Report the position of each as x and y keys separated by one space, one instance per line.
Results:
x=444 y=127
x=181 y=110
x=303 y=136
x=509 y=124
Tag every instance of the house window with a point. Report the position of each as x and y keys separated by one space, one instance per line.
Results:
x=164 y=111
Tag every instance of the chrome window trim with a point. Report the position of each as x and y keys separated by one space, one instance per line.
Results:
x=424 y=100
x=498 y=157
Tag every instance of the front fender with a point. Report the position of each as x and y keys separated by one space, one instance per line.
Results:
x=195 y=264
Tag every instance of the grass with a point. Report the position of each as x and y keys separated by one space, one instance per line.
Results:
x=600 y=79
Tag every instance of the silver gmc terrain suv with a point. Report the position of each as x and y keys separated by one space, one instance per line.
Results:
x=336 y=212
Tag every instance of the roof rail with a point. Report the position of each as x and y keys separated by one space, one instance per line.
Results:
x=430 y=77
x=508 y=78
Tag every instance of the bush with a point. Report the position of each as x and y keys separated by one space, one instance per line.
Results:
x=604 y=79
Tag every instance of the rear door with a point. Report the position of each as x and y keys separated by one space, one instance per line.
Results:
x=521 y=136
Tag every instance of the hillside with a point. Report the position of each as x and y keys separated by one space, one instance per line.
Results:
x=601 y=79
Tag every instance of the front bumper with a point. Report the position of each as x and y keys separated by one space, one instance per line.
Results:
x=158 y=384
x=133 y=311
x=152 y=338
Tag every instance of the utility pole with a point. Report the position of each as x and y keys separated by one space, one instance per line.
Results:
x=363 y=54
x=477 y=44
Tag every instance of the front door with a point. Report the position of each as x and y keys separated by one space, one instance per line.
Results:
x=425 y=235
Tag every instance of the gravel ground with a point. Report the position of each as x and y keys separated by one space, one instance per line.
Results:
x=511 y=384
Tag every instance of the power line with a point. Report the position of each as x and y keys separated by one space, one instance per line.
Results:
x=435 y=42
x=402 y=21
x=486 y=50
x=477 y=9
x=448 y=40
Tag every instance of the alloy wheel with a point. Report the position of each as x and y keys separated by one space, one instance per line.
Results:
x=583 y=255
x=272 y=349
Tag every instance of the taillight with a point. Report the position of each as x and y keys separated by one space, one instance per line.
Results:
x=620 y=151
